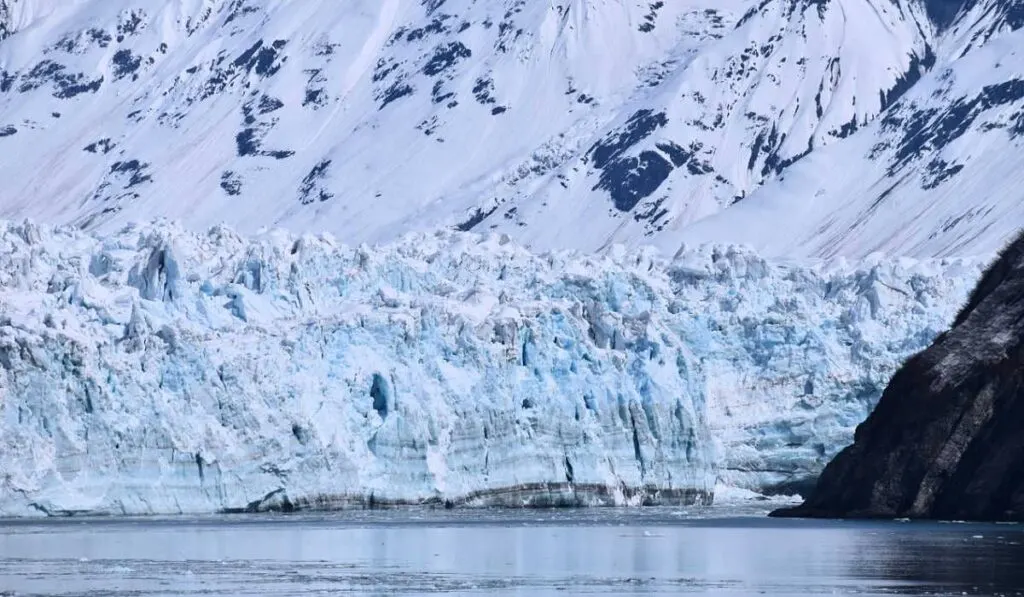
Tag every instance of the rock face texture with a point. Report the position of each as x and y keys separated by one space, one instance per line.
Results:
x=946 y=440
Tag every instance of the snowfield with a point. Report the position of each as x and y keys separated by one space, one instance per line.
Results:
x=156 y=370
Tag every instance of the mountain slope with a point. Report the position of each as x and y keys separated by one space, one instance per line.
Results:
x=790 y=77
x=972 y=23
x=940 y=173
x=377 y=117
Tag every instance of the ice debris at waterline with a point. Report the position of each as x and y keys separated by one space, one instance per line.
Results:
x=161 y=371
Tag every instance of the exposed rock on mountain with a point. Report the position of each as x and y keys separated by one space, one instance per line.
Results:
x=947 y=438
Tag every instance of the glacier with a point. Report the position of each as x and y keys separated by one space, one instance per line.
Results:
x=154 y=370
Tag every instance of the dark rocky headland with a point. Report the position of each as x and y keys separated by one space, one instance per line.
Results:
x=946 y=440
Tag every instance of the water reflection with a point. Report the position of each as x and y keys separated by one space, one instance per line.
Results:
x=582 y=553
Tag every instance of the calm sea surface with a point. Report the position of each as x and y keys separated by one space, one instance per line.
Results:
x=572 y=552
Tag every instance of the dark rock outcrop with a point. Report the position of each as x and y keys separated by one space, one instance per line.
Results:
x=946 y=441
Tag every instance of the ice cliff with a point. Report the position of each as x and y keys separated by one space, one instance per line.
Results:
x=945 y=440
x=160 y=371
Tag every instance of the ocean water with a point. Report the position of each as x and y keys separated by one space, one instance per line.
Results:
x=508 y=552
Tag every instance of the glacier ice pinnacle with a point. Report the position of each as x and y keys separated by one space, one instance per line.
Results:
x=154 y=370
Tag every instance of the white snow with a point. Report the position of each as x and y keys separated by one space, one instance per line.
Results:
x=156 y=370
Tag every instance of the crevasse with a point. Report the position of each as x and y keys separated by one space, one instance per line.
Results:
x=157 y=370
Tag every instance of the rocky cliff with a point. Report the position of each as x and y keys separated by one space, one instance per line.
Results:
x=946 y=439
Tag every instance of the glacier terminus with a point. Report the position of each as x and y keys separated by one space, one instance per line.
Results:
x=157 y=370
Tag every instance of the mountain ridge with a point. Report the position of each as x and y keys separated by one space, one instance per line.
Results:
x=158 y=370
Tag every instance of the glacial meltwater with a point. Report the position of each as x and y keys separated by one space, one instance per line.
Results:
x=499 y=552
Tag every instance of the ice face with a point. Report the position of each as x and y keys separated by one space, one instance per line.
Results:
x=160 y=371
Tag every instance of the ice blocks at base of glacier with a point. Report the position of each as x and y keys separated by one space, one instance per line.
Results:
x=161 y=371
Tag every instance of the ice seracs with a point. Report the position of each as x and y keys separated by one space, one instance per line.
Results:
x=155 y=370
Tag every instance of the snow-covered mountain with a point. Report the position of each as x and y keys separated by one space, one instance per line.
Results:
x=940 y=173
x=568 y=124
x=159 y=371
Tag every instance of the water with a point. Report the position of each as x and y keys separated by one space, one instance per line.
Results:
x=588 y=552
